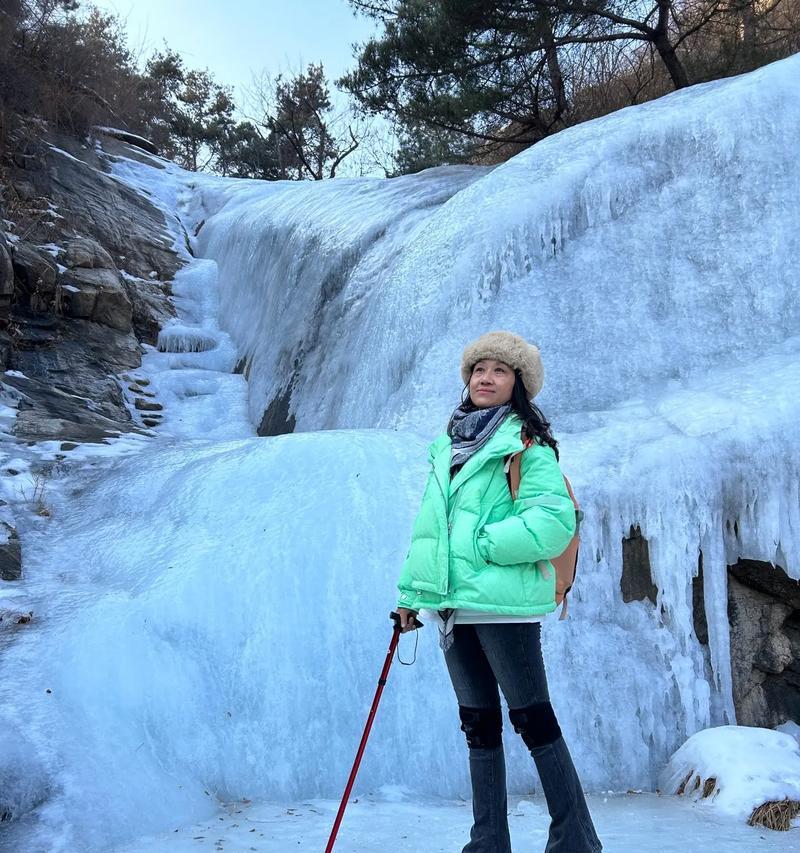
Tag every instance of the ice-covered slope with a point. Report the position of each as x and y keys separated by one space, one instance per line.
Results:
x=306 y=290
x=652 y=244
x=208 y=619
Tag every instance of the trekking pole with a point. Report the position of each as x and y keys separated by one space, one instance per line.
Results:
x=395 y=617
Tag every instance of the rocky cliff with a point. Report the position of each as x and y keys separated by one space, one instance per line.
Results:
x=85 y=281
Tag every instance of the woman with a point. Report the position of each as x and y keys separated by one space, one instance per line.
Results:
x=479 y=561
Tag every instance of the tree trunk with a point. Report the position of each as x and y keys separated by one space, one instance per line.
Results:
x=671 y=62
x=665 y=49
x=748 y=28
x=554 y=68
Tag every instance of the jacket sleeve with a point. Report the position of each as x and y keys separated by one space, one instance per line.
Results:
x=542 y=521
x=408 y=596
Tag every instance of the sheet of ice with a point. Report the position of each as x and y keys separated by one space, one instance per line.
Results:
x=745 y=767
x=163 y=588
x=309 y=266
x=210 y=621
x=626 y=823
x=649 y=245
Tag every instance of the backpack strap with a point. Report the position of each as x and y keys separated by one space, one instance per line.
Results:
x=514 y=475
x=513 y=468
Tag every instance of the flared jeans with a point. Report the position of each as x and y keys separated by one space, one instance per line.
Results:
x=483 y=658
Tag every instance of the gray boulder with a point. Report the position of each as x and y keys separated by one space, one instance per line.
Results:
x=101 y=297
x=78 y=300
x=85 y=252
x=36 y=273
x=764 y=610
x=113 y=308
x=34 y=270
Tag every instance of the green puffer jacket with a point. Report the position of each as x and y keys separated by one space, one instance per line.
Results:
x=472 y=546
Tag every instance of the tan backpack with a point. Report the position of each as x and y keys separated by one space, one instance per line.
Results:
x=565 y=563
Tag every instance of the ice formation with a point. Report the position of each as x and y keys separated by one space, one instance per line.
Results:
x=212 y=611
x=650 y=255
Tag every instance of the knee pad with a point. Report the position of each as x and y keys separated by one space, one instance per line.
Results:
x=482 y=726
x=536 y=723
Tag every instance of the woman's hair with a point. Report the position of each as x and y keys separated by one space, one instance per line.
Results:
x=537 y=427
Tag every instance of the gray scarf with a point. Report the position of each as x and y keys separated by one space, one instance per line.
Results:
x=469 y=431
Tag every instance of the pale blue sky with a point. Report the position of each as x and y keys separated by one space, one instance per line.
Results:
x=238 y=38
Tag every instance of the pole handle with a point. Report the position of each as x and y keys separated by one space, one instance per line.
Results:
x=395 y=617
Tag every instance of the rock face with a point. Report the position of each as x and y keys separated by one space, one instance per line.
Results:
x=131 y=138
x=72 y=322
x=100 y=296
x=277 y=419
x=10 y=553
x=36 y=274
x=151 y=308
x=636 y=581
x=764 y=616
x=131 y=230
x=6 y=275
x=69 y=391
x=83 y=252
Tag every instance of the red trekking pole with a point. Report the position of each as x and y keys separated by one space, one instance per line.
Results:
x=395 y=617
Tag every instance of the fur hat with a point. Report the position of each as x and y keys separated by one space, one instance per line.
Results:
x=510 y=349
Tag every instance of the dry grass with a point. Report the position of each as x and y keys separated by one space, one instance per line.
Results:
x=682 y=787
x=775 y=815
x=36 y=496
x=709 y=786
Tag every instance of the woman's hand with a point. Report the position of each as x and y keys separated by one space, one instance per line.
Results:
x=407 y=621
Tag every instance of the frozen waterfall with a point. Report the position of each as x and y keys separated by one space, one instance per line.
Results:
x=213 y=607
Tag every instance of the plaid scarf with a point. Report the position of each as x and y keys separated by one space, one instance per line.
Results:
x=469 y=430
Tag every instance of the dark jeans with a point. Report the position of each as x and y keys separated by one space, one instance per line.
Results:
x=510 y=655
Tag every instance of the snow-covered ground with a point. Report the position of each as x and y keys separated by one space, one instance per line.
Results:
x=210 y=607
x=626 y=823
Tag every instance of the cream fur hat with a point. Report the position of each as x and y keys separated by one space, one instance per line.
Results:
x=510 y=349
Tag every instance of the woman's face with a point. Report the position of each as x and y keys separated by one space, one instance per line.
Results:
x=491 y=383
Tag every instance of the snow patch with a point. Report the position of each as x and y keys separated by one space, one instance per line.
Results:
x=734 y=769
